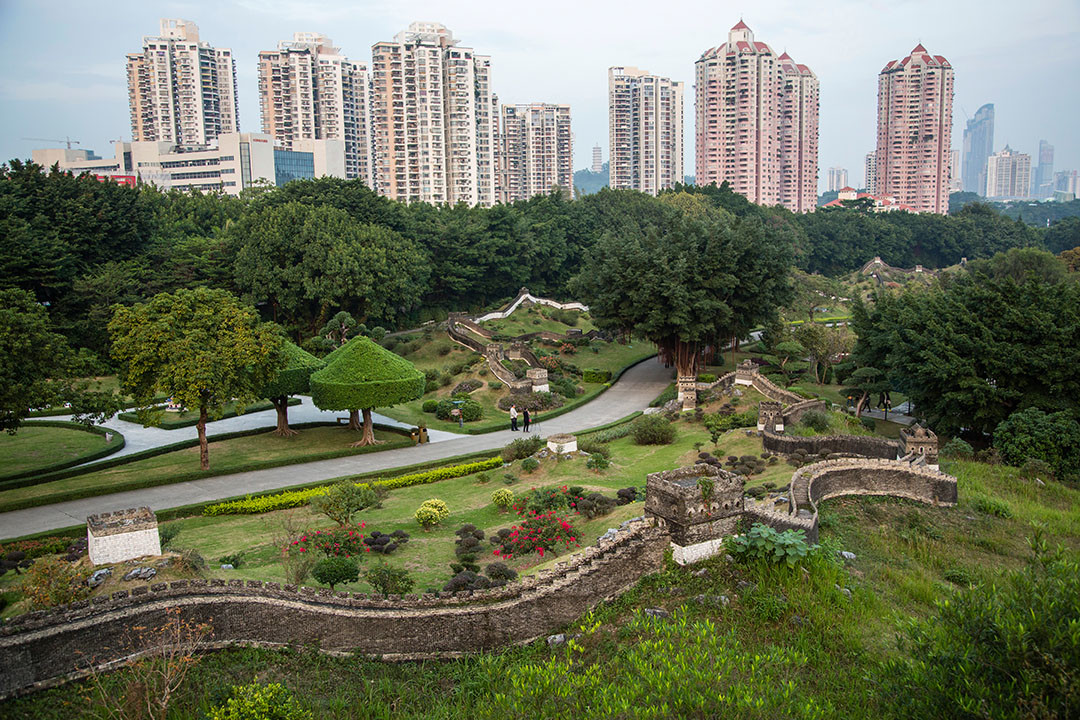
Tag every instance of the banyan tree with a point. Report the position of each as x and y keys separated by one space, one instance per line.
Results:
x=361 y=375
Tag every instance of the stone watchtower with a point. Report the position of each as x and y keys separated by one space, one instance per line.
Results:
x=687 y=385
x=122 y=535
x=770 y=416
x=698 y=505
x=746 y=372
x=918 y=440
x=539 y=379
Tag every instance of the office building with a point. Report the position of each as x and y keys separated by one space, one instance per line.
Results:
x=645 y=130
x=914 y=131
x=434 y=119
x=756 y=122
x=309 y=91
x=181 y=90
x=978 y=145
x=1043 y=186
x=537 y=151
x=1008 y=175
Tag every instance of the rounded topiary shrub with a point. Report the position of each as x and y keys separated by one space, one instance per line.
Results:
x=431 y=513
x=503 y=499
x=652 y=430
x=529 y=464
x=815 y=420
x=958 y=449
x=430 y=406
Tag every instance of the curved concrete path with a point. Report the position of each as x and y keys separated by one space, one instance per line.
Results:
x=633 y=391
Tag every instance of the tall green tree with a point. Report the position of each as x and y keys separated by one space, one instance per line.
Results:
x=686 y=284
x=201 y=347
x=293 y=377
x=360 y=376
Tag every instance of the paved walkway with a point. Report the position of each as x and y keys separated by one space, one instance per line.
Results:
x=633 y=391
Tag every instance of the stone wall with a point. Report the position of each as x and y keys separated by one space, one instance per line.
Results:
x=43 y=648
x=795 y=412
x=866 y=445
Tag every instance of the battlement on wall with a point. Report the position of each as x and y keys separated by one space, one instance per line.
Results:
x=867 y=445
x=41 y=646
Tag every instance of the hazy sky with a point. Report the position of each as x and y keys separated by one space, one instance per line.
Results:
x=62 y=62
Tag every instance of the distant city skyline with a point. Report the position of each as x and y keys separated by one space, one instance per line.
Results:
x=559 y=53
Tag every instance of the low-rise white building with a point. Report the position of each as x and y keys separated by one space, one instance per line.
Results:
x=230 y=164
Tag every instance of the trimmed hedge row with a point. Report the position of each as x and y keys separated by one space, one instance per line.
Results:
x=183 y=477
x=592 y=375
x=297 y=498
x=112 y=447
x=178 y=424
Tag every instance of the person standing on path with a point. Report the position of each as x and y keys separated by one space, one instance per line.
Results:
x=513 y=418
x=525 y=420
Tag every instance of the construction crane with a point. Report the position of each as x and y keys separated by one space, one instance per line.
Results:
x=67 y=140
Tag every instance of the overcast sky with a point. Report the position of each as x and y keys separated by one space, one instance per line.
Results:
x=62 y=62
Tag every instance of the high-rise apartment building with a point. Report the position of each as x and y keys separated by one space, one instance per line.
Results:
x=308 y=91
x=434 y=119
x=837 y=179
x=1044 y=172
x=1008 y=174
x=870 y=172
x=597 y=159
x=955 y=183
x=757 y=122
x=1066 y=184
x=180 y=89
x=914 y=130
x=645 y=128
x=978 y=145
x=537 y=151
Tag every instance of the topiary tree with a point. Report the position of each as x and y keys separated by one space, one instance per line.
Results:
x=431 y=513
x=390 y=581
x=503 y=499
x=344 y=499
x=335 y=571
x=361 y=375
x=293 y=378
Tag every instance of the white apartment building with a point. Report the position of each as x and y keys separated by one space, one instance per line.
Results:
x=837 y=179
x=1008 y=174
x=233 y=162
x=597 y=159
x=645 y=126
x=181 y=90
x=870 y=172
x=434 y=119
x=537 y=151
x=308 y=91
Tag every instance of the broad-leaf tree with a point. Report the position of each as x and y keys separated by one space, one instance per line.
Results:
x=292 y=378
x=359 y=376
x=687 y=283
x=201 y=347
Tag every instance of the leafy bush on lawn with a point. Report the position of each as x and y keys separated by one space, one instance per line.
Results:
x=390 y=581
x=765 y=544
x=653 y=430
x=336 y=571
x=260 y=702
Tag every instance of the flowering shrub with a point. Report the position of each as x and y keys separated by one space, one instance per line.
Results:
x=298 y=498
x=431 y=513
x=539 y=533
x=567 y=349
x=560 y=498
x=51 y=582
x=344 y=541
x=503 y=499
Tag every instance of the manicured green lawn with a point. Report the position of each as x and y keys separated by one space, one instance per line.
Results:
x=34 y=447
x=225 y=456
x=530 y=320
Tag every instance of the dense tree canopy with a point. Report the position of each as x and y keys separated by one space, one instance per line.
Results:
x=200 y=347
x=686 y=282
x=293 y=377
x=981 y=344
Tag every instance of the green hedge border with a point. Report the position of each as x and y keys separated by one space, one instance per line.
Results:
x=260 y=406
x=193 y=475
x=109 y=449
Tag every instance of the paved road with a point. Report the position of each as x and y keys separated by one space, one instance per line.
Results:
x=633 y=391
x=138 y=438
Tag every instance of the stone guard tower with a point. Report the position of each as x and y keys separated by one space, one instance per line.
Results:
x=687 y=385
x=770 y=416
x=918 y=440
x=539 y=378
x=745 y=372
x=122 y=535
x=675 y=498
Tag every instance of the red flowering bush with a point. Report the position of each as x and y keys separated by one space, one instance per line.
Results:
x=344 y=541
x=538 y=533
x=560 y=497
x=567 y=349
x=550 y=362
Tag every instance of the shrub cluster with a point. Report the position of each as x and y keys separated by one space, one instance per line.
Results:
x=390 y=581
x=498 y=574
x=466 y=386
x=539 y=533
x=431 y=512
x=589 y=444
x=764 y=544
x=521 y=448
x=531 y=401
x=593 y=375
x=503 y=499
x=349 y=542
x=50 y=582
x=298 y=498
x=471 y=410
x=530 y=464
x=262 y=702
x=815 y=420
x=611 y=434
x=336 y=571
x=652 y=430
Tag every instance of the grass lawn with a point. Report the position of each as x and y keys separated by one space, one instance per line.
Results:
x=609 y=356
x=535 y=319
x=225 y=456
x=34 y=447
x=787 y=640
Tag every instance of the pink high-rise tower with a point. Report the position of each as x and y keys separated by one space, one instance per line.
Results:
x=914 y=131
x=757 y=123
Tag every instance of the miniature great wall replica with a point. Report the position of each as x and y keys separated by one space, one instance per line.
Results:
x=45 y=648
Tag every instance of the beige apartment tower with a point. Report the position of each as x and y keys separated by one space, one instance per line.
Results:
x=181 y=90
x=434 y=119
x=1008 y=175
x=308 y=91
x=914 y=131
x=756 y=123
x=537 y=151
x=645 y=126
